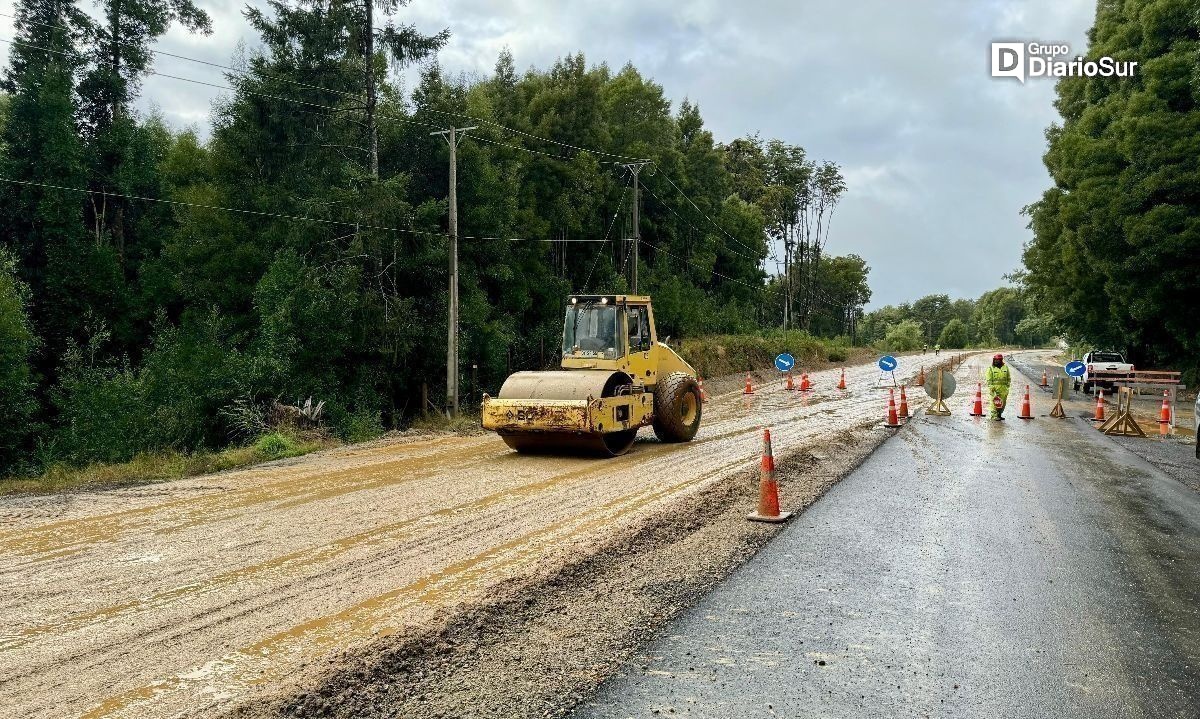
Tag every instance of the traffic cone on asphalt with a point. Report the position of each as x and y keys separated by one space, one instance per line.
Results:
x=1099 y=416
x=1026 y=411
x=1045 y=380
x=768 y=488
x=977 y=409
x=1164 y=414
x=921 y=377
x=805 y=385
x=703 y=394
x=842 y=381
x=790 y=387
x=749 y=385
x=892 y=419
x=903 y=404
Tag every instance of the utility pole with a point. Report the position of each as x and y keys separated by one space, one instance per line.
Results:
x=452 y=324
x=635 y=168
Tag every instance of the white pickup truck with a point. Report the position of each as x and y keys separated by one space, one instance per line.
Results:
x=1102 y=369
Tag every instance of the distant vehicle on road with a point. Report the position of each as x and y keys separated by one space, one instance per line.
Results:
x=1103 y=369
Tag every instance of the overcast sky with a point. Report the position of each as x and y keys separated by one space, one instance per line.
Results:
x=939 y=157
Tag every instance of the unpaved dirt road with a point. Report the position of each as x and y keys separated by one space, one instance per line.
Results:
x=201 y=595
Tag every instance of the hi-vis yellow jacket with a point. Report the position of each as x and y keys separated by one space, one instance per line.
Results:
x=997 y=377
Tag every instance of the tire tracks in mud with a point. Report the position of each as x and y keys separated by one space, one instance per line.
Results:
x=357 y=546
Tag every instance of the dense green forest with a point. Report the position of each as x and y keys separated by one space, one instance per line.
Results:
x=158 y=289
x=1115 y=259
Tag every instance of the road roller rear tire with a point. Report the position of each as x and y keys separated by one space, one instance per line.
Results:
x=677 y=408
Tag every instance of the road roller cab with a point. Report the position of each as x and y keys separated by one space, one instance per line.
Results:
x=616 y=377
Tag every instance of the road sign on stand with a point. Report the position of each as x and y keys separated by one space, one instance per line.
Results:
x=887 y=368
x=785 y=362
x=1075 y=368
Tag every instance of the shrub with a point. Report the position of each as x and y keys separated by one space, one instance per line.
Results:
x=276 y=445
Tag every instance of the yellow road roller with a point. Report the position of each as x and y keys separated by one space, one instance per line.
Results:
x=616 y=378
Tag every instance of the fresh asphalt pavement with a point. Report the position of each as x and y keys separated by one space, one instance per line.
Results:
x=969 y=568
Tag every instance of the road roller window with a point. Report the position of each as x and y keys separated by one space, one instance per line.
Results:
x=590 y=330
x=639 y=329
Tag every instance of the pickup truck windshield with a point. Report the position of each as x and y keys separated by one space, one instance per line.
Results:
x=1108 y=357
x=591 y=331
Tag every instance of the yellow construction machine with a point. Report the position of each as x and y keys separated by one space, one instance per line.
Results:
x=616 y=377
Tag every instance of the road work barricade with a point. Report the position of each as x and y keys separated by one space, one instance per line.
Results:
x=1153 y=380
x=1122 y=423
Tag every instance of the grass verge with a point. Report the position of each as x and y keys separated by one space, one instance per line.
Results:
x=156 y=467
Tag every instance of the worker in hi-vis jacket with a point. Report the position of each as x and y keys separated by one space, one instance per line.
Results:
x=997 y=380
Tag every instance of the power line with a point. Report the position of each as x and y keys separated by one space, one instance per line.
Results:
x=243 y=72
x=600 y=250
x=710 y=220
x=386 y=116
x=358 y=225
x=697 y=229
x=196 y=59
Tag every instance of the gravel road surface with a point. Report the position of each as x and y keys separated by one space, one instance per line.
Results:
x=204 y=595
x=968 y=568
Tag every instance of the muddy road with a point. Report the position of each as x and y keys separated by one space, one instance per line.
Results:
x=203 y=595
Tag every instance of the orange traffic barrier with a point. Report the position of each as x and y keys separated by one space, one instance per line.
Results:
x=977 y=408
x=790 y=387
x=805 y=385
x=892 y=419
x=842 y=381
x=1026 y=410
x=768 y=488
x=1164 y=414
x=749 y=385
x=903 y=404
x=1099 y=416
x=703 y=394
x=1045 y=380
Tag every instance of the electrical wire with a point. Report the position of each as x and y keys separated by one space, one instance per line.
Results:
x=259 y=213
x=620 y=206
x=357 y=96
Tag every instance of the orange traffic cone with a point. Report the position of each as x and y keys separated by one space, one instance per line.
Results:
x=1099 y=417
x=768 y=488
x=1164 y=414
x=892 y=419
x=790 y=388
x=903 y=404
x=805 y=385
x=749 y=385
x=1026 y=411
x=977 y=408
x=842 y=381
x=703 y=394
x=921 y=378
x=1045 y=380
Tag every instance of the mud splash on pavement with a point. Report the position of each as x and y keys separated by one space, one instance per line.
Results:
x=544 y=642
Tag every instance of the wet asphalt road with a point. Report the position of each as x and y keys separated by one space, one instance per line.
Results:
x=968 y=569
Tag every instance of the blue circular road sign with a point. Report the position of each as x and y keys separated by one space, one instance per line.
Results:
x=1075 y=368
x=785 y=362
x=888 y=363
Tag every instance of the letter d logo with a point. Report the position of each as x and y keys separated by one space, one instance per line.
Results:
x=1008 y=60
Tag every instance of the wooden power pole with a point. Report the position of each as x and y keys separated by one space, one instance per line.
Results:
x=452 y=329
